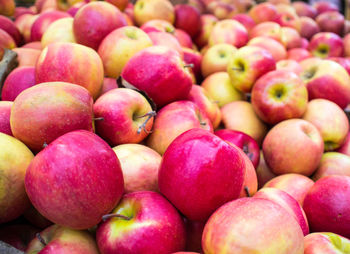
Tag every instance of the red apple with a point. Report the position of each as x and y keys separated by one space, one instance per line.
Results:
x=308 y=27
x=298 y=54
x=5 y=112
x=166 y=40
x=158 y=25
x=183 y=38
x=264 y=12
x=276 y=49
x=193 y=57
x=60 y=30
x=146 y=10
x=187 y=18
x=304 y=9
x=331 y=21
x=325 y=243
x=9 y=26
x=324 y=6
x=245 y=20
x=333 y=163
x=326 y=44
x=75 y=8
x=289 y=65
x=207 y=23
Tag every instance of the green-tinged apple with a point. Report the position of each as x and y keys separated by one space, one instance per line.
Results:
x=58 y=239
x=308 y=27
x=143 y=222
x=330 y=120
x=9 y=26
x=207 y=23
x=146 y=10
x=73 y=63
x=289 y=65
x=275 y=48
x=198 y=185
x=263 y=172
x=240 y=116
x=5 y=113
x=252 y=225
x=157 y=25
x=326 y=44
x=15 y=158
x=7 y=7
x=187 y=18
x=279 y=95
x=264 y=12
x=216 y=58
x=59 y=31
x=331 y=21
x=325 y=242
x=333 y=163
x=27 y=56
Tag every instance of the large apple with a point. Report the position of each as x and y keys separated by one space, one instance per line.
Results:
x=5 y=112
x=146 y=10
x=324 y=242
x=198 y=185
x=333 y=163
x=331 y=21
x=59 y=31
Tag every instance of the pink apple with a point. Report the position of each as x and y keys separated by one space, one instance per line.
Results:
x=276 y=49
x=298 y=54
x=207 y=23
x=245 y=20
x=166 y=40
x=289 y=65
x=187 y=18
x=146 y=10
x=157 y=25
x=27 y=56
x=5 y=112
x=333 y=163
x=345 y=62
x=308 y=27
x=264 y=12
x=291 y=37
x=304 y=9
x=60 y=30
x=326 y=44
x=324 y=6
x=325 y=243
x=75 y=8
x=24 y=24
x=195 y=58
x=9 y=26
x=183 y=38
x=268 y=29
x=331 y=21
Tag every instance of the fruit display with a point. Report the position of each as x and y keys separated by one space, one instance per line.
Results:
x=174 y=127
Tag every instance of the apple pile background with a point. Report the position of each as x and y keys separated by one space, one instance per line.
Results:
x=205 y=126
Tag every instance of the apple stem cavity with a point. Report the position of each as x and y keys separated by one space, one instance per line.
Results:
x=246 y=189
x=41 y=239
x=45 y=145
x=115 y=215
x=143 y=126
x=189 y=65
x=99 y=119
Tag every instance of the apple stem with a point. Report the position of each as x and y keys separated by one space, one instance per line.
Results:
x=143 y=126
x=115 y=215
x=45 y=145
x=41 y=239
x=246 y=189
x=189 y=65
x=99 y=119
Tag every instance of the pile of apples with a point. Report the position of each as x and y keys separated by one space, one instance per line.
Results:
x=211 y=126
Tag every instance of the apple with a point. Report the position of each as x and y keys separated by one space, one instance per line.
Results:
x=58 y=239
x=15 y=157
x=279 y=95
x=345 y=148
x=73 y=63
x=327 y=205
x=41 y=6
x=17 y=81
x=35 y=218
x=24 y=24
x=143 y=222
x=264 y=12
x=291 y=37
x=250 y=182
x=166 y=40
x=9 y=26
x=240 y=116
x=120 y=4
x=304 y=9
x=325 y=243
x=333 y=163
x=65 y=5
x=195 y=58
x=308 y=27
x=108 y=84
x=119 y=46
x=295 y=185
x=33 y=45
x=21 y=11
x=276 y=49
x=183 y=38
x=220 y=89
x=331 y=21
x=289 y=65
x=75 y=8
x=94 y=21
x=216 y=58
x=44 y=112
x=6 y=41
x=326 y=44
x=153 y=63
x=324 y=6
x=268 y=29
x=221 y=10
x=197 y=186
x=298 y=54
x=18 y=235
x=199 y=4
x=207 y=23
x=146 y=10
x=247 y=65
x=245 y=20
x=157 y=25
x=5 y=112
x=187 y=18
x=173 y=120
x=27 y=56
x=237 y=227
x=263 y=172
x=60 y=30
x=7 y=7
x=345 y=62
x=126 y=116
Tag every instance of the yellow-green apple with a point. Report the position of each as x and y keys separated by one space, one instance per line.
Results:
x=263 y=172
x=27 y=56
x=279 y=95
x=165 y=78
x=17 y=81
x=60 y=30
x=343 y=61
x=57 y=171
x=289 y=65
x=275 y=48
x=304 y=10
x=333 y=163
x=119 y=46
x=146 y=10
x=43 y=22
x=220 y=89
x=183 y=38
x=33 y=45
x=240 y=116
x=228 y=31
x=245 y=20
x=5 y=112
x=345 y=148
x=221 y=9
x=324 y=6
x=143 y=222
x=289 y=203
x=6 y=40
x=127 y=116
x=108 y=84
x=247 y=65
x=187 y=18
x=207 y=23
x=298 y=54
x=327 y=205
x=35 y=218
x=9 y=26
x=325 y=242
x=18 y=235
x=206 y=104
x=308 y=27
x=140 y=166
x=44 y=112
x=211 y=179
x=120 y=4
x=192 y=57
x=216 y=58
x=332 y=123
x=264 y=12
x=194 y=231
x=15 y=158
x=326 y=79
x=73 y=63
x=173 y=120
x=326 y=44
x=268 y=29
x=245 y=142
x=295 y=185
x=158 y=25
x=291 y=37
x=94 y=21
x=331 y=21
x=58 y=239
x=166 y=40
x=7 y=7
x=237 y=227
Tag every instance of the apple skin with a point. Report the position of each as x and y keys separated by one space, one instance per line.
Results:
x=15 y=157
x=327 y=205
x=207 y=23
x=60 y=61
x=183 y=38
x=245 y=20
x=123 y=111
x=9 y=26
x=193 y=57
x=155 y=226
x=264 y=12
x=240 y=116
x=167 y=40
x=212 y=179
x=295 y=185
x=276 y=49
x=22 y=10
x=173 y=120
x=7 y=7
x=326 y=44
x=187 y=18
x=324 y=6
x=6 y=41
x=17 y=81
x=5 y=112
x=44 y=112
x=63 y=240
x=345 y=62
x=291 y=37
x=308 y=27
x=120 y=4
x=60 y=30
x=332 y=123
x=108 y=84
x=298 y=54
x=331 y=21
x=144 y=10
x=24 y=24
x=268 y=29
x=247 y=65
x=237 y=227
x=119 y=46
x=245 y=142
x=325 y=242
x=33 y=45
x=94 y=21
x=345 y=148
x=153 y=63
x=157 y=25
x=263 y=172
x=304 y=10
x=289 y=65
x=346 y=41
x=69 y=157
x=327 y=80
x=75 y=8
x=27 y=56
x=279 y=95
x=18 y=235
x=333 y=163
